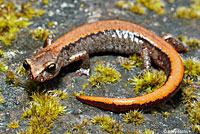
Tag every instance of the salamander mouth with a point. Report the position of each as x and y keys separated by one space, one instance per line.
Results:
x=38 y=78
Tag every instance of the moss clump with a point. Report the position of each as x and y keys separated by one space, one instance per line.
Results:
x=127 y=65
x=107 y=124
x=147 y=131
x=45 y=2
x=40 y=34
x=189 y=13
x=191 y=68
x=148 y=81
x=11 y=21
x=104 y=74
x=154 y=5
x=134 y=117
x=186 y=13
x=1 y=100
x=78 y=94
x=2 y=67
x=171 y=1
x=193 y=107
x=165 y=114
x=194 y=116
x=153 y=112
x=1 y=54
x=43 y=109
x=196 y=128
x=137 y=60
x=10 y=77
x=29 y=12
x=135 y=8
x=13 y=124
x=188 y=96
x=21 y=71
x=193 y=43
x=123 y=4
x=134 y=61
x=51 y=24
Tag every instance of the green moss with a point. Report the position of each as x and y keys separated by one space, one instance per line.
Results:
x=194 y=114
x=12 y=20
x=78 y=94
x=191 y=68
x=107 y=124
x=40 y=34
x=188 y=95
x=13 y=124
x=147 y=131
x=67 y=132
x=182 y=38
x=137 y=9
x=189 y=13
x=193 y=43
x=171 y=1
x=62 y=95
x=186 y=13
x=154 y=5
x=193 y=107
x=1 y=99
x=43 y=110
x=51 y=24
x=127 y=65
x=2 y=67
x=196 y=128
x=1 y=54
x=29 y=12
x=165 y=114
x=45 y=2
x=153 y=112
x=134 y=61
x=10 y=77
x=123 y=4
x=21 y=71
x=149 y=81
x=1 y=2
x=134 y=117
x=104 y=74
x=137 y=60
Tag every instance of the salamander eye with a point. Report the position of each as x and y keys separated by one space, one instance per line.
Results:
x=51 y=67
x=26 y=65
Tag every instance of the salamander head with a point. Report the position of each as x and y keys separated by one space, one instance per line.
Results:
x=42 y=66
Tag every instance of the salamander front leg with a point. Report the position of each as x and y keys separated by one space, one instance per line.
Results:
x=85 y=66
x=48 y=41
x=176 y=43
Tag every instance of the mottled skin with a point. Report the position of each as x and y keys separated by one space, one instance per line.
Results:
x=111 y=36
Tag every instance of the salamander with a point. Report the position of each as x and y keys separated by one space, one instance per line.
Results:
x=111 y=36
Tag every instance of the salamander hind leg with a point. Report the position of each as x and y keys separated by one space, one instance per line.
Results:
x=146 y=61
x=176 y=43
